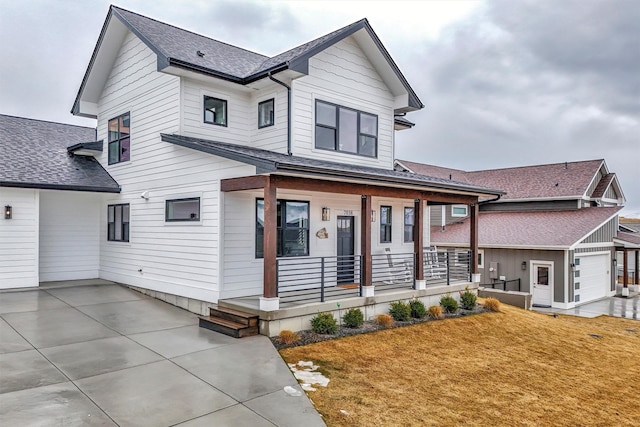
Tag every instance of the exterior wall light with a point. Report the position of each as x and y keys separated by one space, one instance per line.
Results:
x=523 y=265
x=326 y=214
x=373 y=216
x=8 y=212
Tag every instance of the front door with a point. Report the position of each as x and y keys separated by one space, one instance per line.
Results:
x=541 y=283
x=345 y=249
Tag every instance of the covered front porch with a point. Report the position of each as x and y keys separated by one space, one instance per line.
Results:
x=626 y=263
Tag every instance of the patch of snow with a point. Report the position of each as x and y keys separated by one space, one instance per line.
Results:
x=305 y=372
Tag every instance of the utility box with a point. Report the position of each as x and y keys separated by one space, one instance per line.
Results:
x=493 y=270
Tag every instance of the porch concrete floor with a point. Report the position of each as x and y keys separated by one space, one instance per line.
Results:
x=101 y=354
x=628 y=308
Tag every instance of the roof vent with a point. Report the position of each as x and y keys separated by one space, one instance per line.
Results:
x=200 y=53
x=566 y=165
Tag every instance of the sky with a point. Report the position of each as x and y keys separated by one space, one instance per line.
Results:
x=505 y=83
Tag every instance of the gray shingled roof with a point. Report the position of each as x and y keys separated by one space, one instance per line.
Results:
x=270 y=161
x=33 y=154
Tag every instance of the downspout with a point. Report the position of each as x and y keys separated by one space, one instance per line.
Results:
x=288 y=111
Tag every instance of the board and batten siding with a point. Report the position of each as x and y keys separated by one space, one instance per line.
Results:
x=541 y=205
x=342 y=75
x=69 y=235
x=19 y=239
x=604 y=234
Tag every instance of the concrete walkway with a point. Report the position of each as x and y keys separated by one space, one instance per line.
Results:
x=628 y=308
x=107 y=355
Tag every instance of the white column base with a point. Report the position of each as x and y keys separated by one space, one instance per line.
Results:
x=368 y=291
x=421 y=285
x=475 y=277
x=269 y=304
x=625 y=292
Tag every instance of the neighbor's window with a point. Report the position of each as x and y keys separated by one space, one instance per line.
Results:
x=480 y=258
x=118 y=223
x=408 y=224
x=385 y=224
x=215 y=111
x=292 y=228
x=266 y=114
x=459 y=210
x=183 y=210
x=346 y=130
x=118 y=139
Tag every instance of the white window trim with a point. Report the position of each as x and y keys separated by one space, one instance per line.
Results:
x=455 y=215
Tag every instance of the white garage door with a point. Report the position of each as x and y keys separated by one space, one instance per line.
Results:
x=593 y=280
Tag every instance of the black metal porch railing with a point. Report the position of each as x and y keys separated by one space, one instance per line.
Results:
x=441 y=268
x=393 y=271
x=506 y=284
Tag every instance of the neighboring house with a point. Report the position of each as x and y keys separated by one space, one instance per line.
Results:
x=554 y=233
x=230 y=166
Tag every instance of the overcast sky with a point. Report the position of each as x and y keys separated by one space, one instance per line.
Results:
x=505 y=83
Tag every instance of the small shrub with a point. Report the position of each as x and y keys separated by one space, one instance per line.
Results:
x=435 y=312
x=288 y=337
x=468 y=299
x=384 y=320
x=324 y=323
x=353 y=318
x=418 y=310
x=491 y=304
x=449 y=304
x=400 y=311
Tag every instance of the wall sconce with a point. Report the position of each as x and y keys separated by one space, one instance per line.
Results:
x=326 y=214
x=373 y=216
x=523 y=266
x=8 y=211
x=573 y=267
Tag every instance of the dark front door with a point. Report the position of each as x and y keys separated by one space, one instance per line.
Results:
x=345 y=237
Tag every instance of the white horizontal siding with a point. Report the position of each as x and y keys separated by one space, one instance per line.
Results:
x=19 y=239
x=69 y=235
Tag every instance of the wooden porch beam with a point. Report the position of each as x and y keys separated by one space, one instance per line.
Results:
x=243 y=183
x=365 y=240
x=418 y=234
x=270 y=242
x=473 y=236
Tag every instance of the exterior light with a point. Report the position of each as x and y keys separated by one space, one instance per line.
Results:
x=524 y=265
x=373 y=216
x=326 y=214
x=8 y=211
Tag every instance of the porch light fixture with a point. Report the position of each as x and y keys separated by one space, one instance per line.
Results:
x=8 y=211
x=523 y=265
x=326 y=214
x=373 y=216
x=573 y=268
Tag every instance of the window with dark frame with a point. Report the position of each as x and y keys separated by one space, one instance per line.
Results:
x=292 y=228
x=215 y=111
x=180 y=210
x=346 y=130
x=408 y=224
x=385 y=224
x=119 y=141
x=118 y=223
x=266 y=114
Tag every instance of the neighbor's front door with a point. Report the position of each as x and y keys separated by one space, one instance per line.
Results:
x=541 y=283
x=345 y=249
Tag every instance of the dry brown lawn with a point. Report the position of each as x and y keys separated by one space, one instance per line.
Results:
x=514 y=368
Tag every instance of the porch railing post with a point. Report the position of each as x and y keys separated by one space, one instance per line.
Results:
x=447 y=259
x=322 y=279
x=277 y=277
x=361 y=273
x=469 y=254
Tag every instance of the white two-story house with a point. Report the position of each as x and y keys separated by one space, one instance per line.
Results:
x=240 y=174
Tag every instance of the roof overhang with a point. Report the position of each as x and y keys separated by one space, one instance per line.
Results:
x=46 y=186
x=91 y=149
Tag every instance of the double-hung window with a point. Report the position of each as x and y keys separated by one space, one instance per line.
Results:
x=215 y=111
x=119 y=139
x=408 y=224
x=182 y=210
x=292 y=228
x=266 y=114
x=345 y=129
x=118 y=223
x=385 y=224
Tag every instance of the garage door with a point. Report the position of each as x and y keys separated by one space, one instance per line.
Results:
x=593 y=278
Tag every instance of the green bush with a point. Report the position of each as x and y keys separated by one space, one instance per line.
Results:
x=400 y=311
x=449 y=304
x=468 y=300
x=324 y=323
x=418 y=310
x=353 y=318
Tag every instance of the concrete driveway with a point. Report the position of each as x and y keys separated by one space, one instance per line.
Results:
x=106 y=355
x=628 y=308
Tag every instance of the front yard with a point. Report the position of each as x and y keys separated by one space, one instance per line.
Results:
x=513 y=368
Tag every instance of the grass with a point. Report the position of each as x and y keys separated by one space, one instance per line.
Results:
x=513 y=368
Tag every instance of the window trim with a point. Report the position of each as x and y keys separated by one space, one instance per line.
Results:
x=185 y=199
x=122 y=223
x=405 y=225
x=118 y=140
x=480 y=255
x=204 y=111
x=455 y=215
x=273 y=116
x=359 y=132
x=386 y=226
x=280 y=230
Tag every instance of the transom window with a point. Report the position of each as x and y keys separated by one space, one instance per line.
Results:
x=347 y=130
x=118 y=223
x=183 y=210
x=408 y=224
x=292 y=228
x=119 y=139
x=266 y=114
x=459 y=210
x=215 y=111
x=385 y=224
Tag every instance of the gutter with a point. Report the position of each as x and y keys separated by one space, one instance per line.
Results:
x=288 y=111
x=490 y=200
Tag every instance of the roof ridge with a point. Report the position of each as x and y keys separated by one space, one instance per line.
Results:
x=538 y=165
x=46 y=121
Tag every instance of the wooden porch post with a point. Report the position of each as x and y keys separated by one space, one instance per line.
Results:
x=636 y=280
x=270 y=241
x=418 y=234
x=365 y=240
x=473 y=237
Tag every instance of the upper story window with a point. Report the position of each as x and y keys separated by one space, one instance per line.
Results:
x=182 y=210
x=292 y=228
x=118 y=223
x=346 y=130
x=408 y=224
x=385 y=224
x=459 y=210
x=215 y=111
x=119 y=139
x=266 y=115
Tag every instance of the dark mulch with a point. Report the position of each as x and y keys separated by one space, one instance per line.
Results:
x=310 y=337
